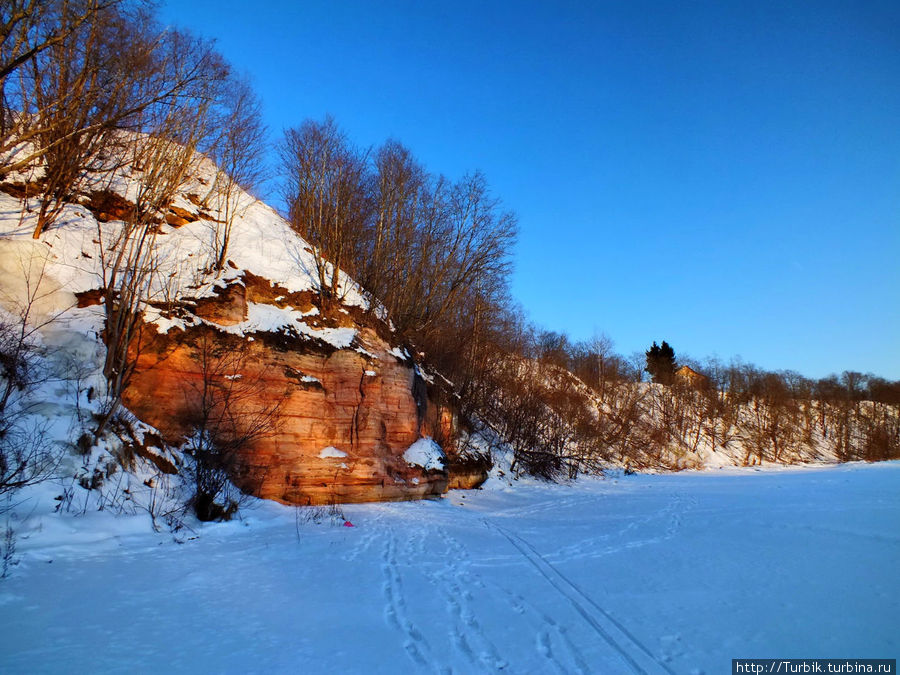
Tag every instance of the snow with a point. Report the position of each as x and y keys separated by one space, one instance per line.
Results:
x=674 y=573
x=425 y=453
x=424 y=375
x=331 y=451
x=272 y=319
x=262 y=243
x=400 y=354
x=366 y=353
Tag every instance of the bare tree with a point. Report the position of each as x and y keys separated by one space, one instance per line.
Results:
x=238 y=151
x=470 y=241
x=600 y=350
x=27 y=29
x=114 y=69
x=80 y=90
x=324 y=191
x=49 y=80
x=159 y=161
x=397 y=187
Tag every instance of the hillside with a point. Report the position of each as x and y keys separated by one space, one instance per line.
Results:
x=319 y=402
x=369 y=430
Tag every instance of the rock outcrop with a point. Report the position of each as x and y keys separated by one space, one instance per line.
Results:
x=345 y=415
x=467 y=471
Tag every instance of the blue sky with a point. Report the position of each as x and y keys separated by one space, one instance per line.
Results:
x=721 y=175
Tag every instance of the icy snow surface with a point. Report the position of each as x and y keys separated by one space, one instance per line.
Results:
x=671 y=573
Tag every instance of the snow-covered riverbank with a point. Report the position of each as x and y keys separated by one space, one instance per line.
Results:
x=668 y=573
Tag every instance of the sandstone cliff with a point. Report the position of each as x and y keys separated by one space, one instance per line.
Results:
x=350 y=400
x=346 y=415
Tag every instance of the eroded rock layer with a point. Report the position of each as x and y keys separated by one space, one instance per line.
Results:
x=345 y=416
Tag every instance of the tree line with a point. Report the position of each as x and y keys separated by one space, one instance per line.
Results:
x=96 y=93
x=568 y=407
x=433 y=252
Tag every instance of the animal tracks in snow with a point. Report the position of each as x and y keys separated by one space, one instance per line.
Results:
x=395 y=608
x=638 y=575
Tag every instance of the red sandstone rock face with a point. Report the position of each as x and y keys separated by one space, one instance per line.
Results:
x=359 y=401
x=463 y=478
x=227 y=308
x=370 y=417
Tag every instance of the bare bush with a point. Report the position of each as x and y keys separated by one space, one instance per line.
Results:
x=238 y=152
x=227 y=412
x=8 y=558
x=26 y=454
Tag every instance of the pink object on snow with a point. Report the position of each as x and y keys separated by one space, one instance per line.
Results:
x=347 y=523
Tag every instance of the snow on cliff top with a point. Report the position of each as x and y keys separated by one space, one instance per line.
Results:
x=262 y=243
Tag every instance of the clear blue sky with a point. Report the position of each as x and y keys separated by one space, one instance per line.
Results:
x=721 y=175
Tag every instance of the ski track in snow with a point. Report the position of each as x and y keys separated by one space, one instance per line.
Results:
x=463 y=593
x=633 y=652
x=455 y=582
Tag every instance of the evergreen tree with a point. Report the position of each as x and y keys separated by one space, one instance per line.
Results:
x=661 y=363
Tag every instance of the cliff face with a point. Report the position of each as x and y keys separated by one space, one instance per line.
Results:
x=345 y=415
x=346 y=403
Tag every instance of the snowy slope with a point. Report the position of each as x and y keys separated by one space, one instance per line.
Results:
x=262 y=243
x=45 y=276
x=67 y=260
x=671 y=573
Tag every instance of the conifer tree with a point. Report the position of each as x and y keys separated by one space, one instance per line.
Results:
x=661 y=363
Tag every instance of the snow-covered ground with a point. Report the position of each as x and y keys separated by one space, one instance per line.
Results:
x=674 y=573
